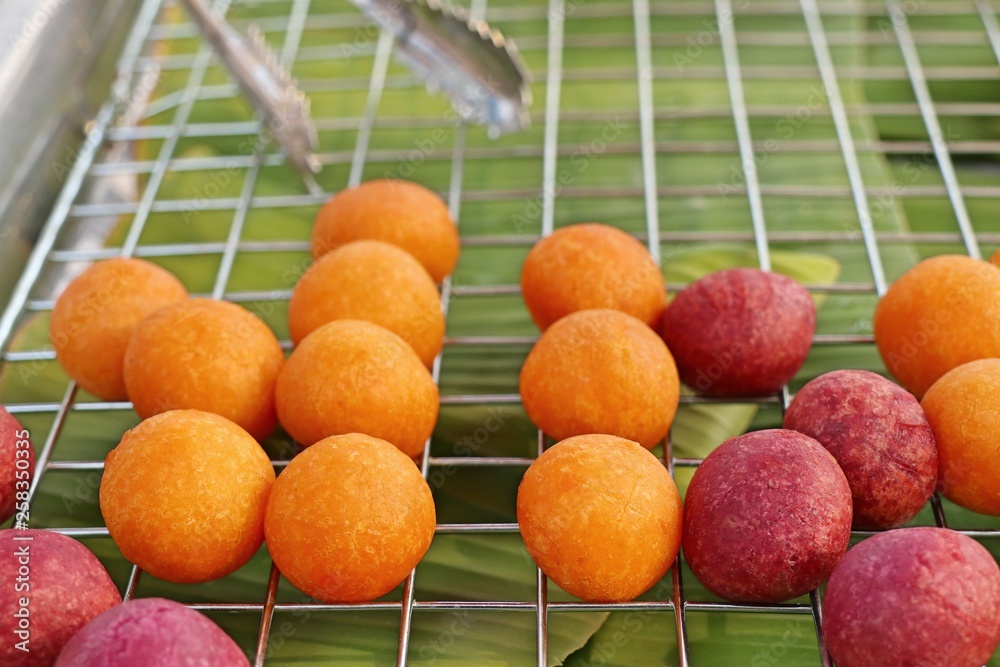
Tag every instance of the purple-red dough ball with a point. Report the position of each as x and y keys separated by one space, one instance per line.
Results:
x=879 y=435
x=151 y=632
x=915 y=597
x=52 y=586
x=17 y=463
x=767 y=516
x=740 y=332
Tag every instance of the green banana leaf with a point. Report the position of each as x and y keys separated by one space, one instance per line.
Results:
x=496 y=566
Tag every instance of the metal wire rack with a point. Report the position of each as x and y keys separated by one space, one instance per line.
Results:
x=650 y=50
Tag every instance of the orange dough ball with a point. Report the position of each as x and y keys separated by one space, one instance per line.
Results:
x=351 y=376
x=372 y=281
x=591 y=266
x=183 y=496
x=601 y=516
x=601 y=371
x=995 y=259
x=963 y=408
x=398 y=212
x=940 y=314
x=95 y=316
x=207 y=355
x=349 y=518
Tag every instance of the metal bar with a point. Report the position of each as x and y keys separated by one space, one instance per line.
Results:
x=676 y=577
x=734 y=79
x=477 y=12
x=644 y=65
x=293 y=35
x=989 y=17
x=42 y=459
x=285 y=201
x=918 y=79
x=815 y=607
x=145 y=205
x=236 y=228
x=377 y=83
x=266 y=616
x=553 y=89
x=821 y=49
x=892 y=147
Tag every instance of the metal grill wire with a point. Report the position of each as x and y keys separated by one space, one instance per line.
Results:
x=293 y=16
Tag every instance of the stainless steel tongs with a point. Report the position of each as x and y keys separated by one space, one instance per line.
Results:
x=473 y=64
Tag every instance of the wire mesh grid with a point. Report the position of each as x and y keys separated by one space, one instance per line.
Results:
x=644 y=70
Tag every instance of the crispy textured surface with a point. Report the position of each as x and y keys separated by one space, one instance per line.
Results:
x=209 y=355
x=66 y=587
x=766 y=517
x=349 y=518
x=940 y=314
x=351 y=376
x=879 y=435
x=601 y=516
x=152 y=632
x=601 y=371
x=740 y=332
x=398 y=212
x=11 y=433
x=93 y=320
x=919 y=597
x=587 y=266
x=372 y=281
x=183 y=496
x=963 y=408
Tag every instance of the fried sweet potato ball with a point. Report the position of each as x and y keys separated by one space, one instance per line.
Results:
x=183 y=496
x=349 y=518
x=940 y=314
x=600 y=516
x=209 y=355
x=586 y=266
x=395 y=211
x=351 y=376
x=94 y=318
x=372 y=281
x=601 y=371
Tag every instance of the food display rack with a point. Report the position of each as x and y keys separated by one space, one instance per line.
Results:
x=639 y=81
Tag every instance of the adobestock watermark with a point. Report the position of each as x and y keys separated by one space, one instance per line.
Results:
x=886 y=26
x=912 y=169
x=127 y=111
x=282 y=632
x=704 y=38
x=470 y=444
x=222 y=177
x=22 y=478
x=382 y=13
x=579 y=162
x=722 y=361
x=426 y=147
x=567 y=8
x=21 y=543
x=632 y=623
x=784 y=129
x=434 y=649
x=21 y=589
x=776 y=652
x=34 y=24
